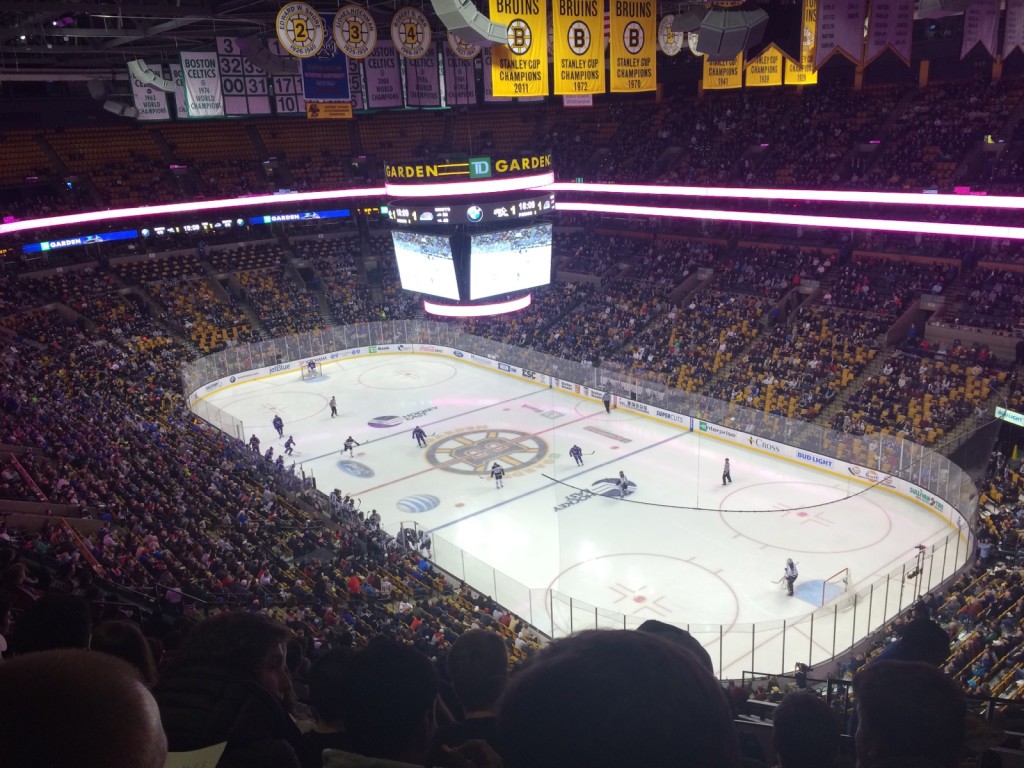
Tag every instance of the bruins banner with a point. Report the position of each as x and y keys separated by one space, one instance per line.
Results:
x=719 y=75
x=520 y=68
x=766 y=69
x=578 y=46
x=633 y=41
x=804 y=72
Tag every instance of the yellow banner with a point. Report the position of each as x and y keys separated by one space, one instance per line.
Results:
x=578 y=46
x=520 y=68
x=633 y=43
x=766 y=69
x=803 y=73
x=329 y=110
x=719 y=75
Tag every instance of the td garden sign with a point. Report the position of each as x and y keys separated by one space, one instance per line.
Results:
x=471 y=169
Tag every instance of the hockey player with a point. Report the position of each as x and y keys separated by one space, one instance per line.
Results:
x=279 y=425
x=254 y=443
x=623 y=484
x=289 y=444
x=498 y=473
x=269 y=455
x=350 y=444
x=726 y=473
x=790 y=575
x=577 y=454
x=421 y=437
x=334 y=406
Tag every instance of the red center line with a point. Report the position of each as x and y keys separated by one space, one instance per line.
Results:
x=458 y=461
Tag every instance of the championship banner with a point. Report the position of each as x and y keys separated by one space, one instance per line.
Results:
x=578 y=46
x=151 y=103
x=633 y=40
x=840 y=30
x=981 y=25
x=766 y=69
x=721 y=75
x=520 y=68
x=178 y=76
x=354 y=31
x=410 y=32
x=325 y=76
x=1013 y=35
x=670 y=43
x=459 y=79
x=890 y=27
x=246 y=86
x=803 y=73
x=300 y=30
x=203 y=94
x=487 y=60
x=383 y=77
x=423 y=80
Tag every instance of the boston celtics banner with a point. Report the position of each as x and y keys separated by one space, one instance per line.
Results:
x=579 y=46
x=521 y=67
x=633 y=40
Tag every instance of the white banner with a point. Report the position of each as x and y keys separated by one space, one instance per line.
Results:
x=486 y=59
x=423 y=79
x=890 y=27
x=840 y=30
x=1013 y=37
x=203 y=92
x=151 y=103
x=246 y=86
x=460 y=78
x=383 y=77
x=178 y=76
x=355 y=83
x=981 y=25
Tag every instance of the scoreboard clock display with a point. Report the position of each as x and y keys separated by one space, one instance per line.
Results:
x=418 y=213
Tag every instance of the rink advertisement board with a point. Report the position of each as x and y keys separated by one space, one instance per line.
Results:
x=701 y=428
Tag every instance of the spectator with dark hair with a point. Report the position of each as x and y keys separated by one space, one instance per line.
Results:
x=229 y=683
x=920 y=639
x=614 y=698
x=805 y=733
x=124 y=639
x=909 y=714
x=478 y=669
x=73 y=707
x=389 y=707
x=328 y=690
x=54 y=621
x=680 y=637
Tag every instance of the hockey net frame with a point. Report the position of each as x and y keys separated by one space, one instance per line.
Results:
x=840 y=578
x=318 y=370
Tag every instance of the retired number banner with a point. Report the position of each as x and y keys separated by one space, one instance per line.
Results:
x=633 y=40
x=579 y=46
x=520 y=68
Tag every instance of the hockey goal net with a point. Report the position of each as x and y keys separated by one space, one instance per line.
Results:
x=835 y=586
x=311 y=371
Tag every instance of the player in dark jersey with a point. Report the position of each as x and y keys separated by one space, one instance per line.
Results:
x=279 y=425
x=577 y=454
x=421 y=437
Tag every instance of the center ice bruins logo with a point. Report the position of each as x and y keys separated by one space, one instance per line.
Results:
x=472 y=452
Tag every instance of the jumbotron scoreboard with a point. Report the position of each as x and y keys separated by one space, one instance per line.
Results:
x=473 y=235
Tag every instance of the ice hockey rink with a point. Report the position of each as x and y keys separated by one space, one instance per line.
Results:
x=680 y=547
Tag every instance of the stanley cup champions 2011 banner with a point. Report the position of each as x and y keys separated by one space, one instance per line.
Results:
x=633 y=41
x=579 y=46
x=520 y=68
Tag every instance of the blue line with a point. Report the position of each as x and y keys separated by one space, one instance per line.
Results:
x=548 y=485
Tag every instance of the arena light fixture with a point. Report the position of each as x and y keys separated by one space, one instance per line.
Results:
x=801 y=220
x=478 y=187
x=478 y=310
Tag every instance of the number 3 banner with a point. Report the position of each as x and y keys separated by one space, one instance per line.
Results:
x=578 y=46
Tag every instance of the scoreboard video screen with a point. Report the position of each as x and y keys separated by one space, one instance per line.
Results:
x=426 y=264
x=481 y=211
x=509 y=260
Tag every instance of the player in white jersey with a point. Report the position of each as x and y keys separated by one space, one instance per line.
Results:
x=498 y=473
x=350 y=443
